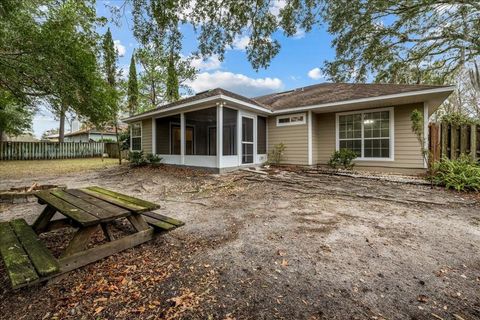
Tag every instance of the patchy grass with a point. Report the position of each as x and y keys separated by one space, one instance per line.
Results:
x=34 y=168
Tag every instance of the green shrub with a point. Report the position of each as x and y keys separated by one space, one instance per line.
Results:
x=136 y=158
x=153 y=159
x=276 y=156
x=461 y=174
x=342 y=157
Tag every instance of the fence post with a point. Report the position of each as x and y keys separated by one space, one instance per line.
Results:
x=473 y=142
x=444 y=139
x=453 y=142
x=463 y=139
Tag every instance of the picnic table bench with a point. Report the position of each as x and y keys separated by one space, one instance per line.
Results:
x=28 y=261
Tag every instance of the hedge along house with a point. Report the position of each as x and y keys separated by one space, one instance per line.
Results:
x=312 y=122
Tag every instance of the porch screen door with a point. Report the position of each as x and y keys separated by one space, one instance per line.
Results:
x=247 y=140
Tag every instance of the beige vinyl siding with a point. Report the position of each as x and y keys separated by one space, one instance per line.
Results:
x=295 y=138
x=407 y=152
x=326 y=136
x=147 y=136
x=315 y=138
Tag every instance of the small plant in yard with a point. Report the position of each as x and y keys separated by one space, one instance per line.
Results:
x=461 y=174
x=153 y=159
x=276 y=156
x=342 y=157
x=138 y=159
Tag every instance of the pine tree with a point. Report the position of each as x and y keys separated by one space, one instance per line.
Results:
x=110 y=69
x=172 y=93
x=132 y=90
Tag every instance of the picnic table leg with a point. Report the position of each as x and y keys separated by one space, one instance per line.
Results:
x=80 y=240
x=107 y=231
x=41 y=224
x=138 y=222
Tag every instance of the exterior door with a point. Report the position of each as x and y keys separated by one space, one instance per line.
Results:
x=247 y=140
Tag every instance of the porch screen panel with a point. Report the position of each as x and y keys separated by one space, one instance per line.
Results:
x=203 y=126
x=261 y=135
x=229 y=131
x=168 y=135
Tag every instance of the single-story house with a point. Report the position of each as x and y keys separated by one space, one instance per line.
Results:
x=312 y=122
x=87 y=135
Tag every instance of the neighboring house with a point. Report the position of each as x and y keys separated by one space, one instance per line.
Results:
x=87 y=135
x=26 y=137
x=312 y=122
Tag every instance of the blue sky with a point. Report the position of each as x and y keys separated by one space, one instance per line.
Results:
x=296 y=65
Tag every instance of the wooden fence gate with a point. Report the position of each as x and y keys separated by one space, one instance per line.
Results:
x=10 y=150
x=450 y=141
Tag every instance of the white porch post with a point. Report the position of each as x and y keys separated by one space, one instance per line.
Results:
x=239 y=137
x=219 y=134
x=310 y=138
x=182 y=138
x=154 y=136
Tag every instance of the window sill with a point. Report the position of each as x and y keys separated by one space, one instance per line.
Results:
x=374 y=159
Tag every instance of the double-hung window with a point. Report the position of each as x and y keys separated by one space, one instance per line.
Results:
x=368 y=133
x=136 y=136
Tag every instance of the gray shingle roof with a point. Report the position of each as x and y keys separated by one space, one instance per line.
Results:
x=334 y=92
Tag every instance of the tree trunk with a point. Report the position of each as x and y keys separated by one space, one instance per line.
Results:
x=118 y=142
x=61 y=129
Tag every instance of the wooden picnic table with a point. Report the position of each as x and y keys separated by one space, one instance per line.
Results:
x=88 y=210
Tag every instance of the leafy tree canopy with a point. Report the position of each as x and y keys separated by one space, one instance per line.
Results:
x=402 y=40
x=48 y=54
x=394 y=40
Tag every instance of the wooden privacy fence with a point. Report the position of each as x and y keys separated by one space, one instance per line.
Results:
x=50 y=150
x=450 y=141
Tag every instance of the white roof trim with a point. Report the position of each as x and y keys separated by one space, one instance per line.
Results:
x=194 y=102
x=384 y=97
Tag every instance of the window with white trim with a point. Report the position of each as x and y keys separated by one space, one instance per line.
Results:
x=136 y=136
x=291 y=119
x=368 y=133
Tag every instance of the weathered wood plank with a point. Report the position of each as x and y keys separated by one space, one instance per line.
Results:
x=444 y=152
x=43 y=219
x=124 y=197
x=463 y=139
x=118 y=202
x=82 y=217
x=473 y=142
x=40 y=256
x=19 y=267
x=119 y=211
x=161 y=217
x=159 y=224
x=100 y=213
x=138 y=222
x=80 y=240
x=83 y=258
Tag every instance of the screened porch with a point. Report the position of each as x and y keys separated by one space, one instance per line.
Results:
x=192 y=138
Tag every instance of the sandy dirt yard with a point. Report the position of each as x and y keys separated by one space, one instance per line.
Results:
x=288 y=245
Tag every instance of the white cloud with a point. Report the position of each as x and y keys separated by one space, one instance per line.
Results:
x=316 y=74
x=299 y=34
x=236 y=82
x=240 y=43
x=119 y=47
x=276 y=6
x=211 y=63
